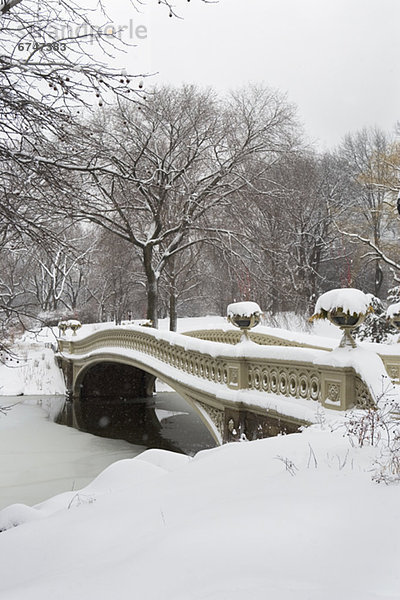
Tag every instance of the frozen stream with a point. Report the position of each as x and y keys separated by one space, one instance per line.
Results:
x=39 y=458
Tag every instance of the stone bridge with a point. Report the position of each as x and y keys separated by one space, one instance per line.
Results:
x=258 y=389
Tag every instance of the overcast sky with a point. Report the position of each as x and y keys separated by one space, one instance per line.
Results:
x=337 y=60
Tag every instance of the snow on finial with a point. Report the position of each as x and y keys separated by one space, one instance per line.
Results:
x=393 y=310
x=245 y=315
x=348 y=300
x=243 y=309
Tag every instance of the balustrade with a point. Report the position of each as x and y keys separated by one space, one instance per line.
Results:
x=335 y=387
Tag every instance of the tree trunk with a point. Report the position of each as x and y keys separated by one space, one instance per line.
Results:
x=152 y=302
x=173 y=315
x=151 y=286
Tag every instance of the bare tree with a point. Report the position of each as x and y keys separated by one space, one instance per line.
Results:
x=55 y=269
x=182 y=284
x=47 y=74
x=48 y=78
x=155 y=173
x=287 y=232
x=369 y=160
x=114 y=286
x=48 y=70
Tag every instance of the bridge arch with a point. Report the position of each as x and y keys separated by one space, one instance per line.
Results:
x=105 y=384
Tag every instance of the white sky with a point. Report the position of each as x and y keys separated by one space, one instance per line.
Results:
x=337 y=60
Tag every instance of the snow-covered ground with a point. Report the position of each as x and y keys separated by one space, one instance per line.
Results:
x=288 y=518
x=32 y=370
x=291 y=517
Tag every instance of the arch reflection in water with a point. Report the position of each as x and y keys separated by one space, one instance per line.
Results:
x=117 y=401
x=165 y=421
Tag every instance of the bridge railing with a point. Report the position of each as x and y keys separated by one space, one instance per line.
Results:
x=277 y=369
x=233 y=336
x=387 y=353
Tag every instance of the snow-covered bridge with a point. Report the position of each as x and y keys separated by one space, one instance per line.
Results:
x=277 y=383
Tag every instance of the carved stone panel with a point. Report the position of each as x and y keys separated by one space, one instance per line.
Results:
x=216 y=415
x=393 y=370
x=233 y=377
x=363 y=397
x=333 y=393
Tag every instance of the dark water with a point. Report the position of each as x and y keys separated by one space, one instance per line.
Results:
x=184 y=428
x=164 y=421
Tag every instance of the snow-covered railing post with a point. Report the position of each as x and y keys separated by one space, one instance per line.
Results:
x=352 y=382
x=244 y=315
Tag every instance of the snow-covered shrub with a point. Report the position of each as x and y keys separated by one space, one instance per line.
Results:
x=379 y=426
x=393 y=311
x=393 y=295
x=376 y=326
x=387 y=466
x=365 y=427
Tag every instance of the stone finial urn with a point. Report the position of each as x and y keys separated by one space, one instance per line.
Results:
x=346 y=308
x=74 y=325
x=244 y=315
x=393 y=315
x=62 y=326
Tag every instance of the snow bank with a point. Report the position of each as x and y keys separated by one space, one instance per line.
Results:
x=118 y=476
x=18 y=514
x=272 y=518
